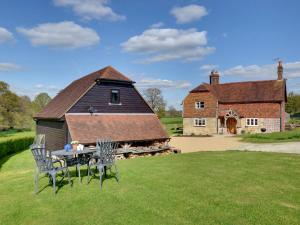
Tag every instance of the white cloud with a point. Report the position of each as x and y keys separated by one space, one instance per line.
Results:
x=269 y=71
x=51 y=88
x=65 y=34
x=209 y=67
x=39 y=86
x=9 y=67
x=169 y=44
x=189 y=13
x=162 y=83
x=157 y=25
x=91 y=9
x=5 y=35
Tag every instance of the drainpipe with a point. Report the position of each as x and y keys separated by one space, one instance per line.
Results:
x=280 y=117
x=217 y=108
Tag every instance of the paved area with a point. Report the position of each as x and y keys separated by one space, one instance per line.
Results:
x=224 y=143
x=196 y=144
x=288 y=147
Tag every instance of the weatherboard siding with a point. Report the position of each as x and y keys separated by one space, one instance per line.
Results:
x=55 y=133
x=99 y=97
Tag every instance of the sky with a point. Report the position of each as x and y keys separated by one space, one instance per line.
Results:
x=169 y=44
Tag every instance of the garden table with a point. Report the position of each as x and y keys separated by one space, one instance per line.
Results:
x=63 y=154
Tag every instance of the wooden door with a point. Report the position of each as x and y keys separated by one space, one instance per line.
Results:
x=231 y=125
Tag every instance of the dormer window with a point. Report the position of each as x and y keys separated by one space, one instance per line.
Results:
x=115 y=96
x=199 y=105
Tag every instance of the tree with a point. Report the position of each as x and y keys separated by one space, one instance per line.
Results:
x=15 y=111
x=40 y=101
x=4 y=87
x=293 y=103
x=155 y=100
x=173 y=112
x=9 y=106
x=25 y=120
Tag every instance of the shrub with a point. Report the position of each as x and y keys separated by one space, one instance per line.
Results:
x=14 y=145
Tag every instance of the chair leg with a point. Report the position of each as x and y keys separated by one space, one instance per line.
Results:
x=78 y=169
x=36 y=182
x=101 y=174
x=117 y=173
x=68 y=173
x=88 y=175
x=54 y=182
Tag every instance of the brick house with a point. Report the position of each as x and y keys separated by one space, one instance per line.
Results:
x=237 y=107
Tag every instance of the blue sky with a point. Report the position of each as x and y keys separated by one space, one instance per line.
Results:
x=173 y=45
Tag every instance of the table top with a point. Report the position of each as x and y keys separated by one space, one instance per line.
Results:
x=63 y=152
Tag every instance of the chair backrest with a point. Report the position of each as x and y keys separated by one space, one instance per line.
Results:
x=42 y=159
x=106 y=151
x=39 y=141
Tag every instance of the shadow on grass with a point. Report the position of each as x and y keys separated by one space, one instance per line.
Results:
x=6 y=158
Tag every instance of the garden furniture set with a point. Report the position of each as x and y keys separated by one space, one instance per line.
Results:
x=101 y=158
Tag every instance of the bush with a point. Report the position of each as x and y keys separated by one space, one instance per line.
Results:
x=14 y=145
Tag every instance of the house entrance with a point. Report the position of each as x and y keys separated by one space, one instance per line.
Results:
x=231 y=125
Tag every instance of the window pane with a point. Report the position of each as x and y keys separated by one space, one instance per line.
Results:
x=115 y=96
x=252 y=122
x=255 y=120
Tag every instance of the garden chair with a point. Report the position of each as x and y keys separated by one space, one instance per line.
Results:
x=44 y=164
x=104 y=158
x=39 y=141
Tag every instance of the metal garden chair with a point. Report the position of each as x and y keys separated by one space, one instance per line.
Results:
x=104 y=158
x=39 y=141
x=44 y=164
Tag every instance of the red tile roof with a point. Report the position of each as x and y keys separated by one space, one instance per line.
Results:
x=61 y=103
x=250 y=91
x=119 y=127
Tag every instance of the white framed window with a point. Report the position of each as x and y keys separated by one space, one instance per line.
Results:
x=199 y=122
x=199 y=105
x=251 y=122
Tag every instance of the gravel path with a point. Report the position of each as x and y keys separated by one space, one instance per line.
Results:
x=287 y=147
x=223 y=143
x=196 y=144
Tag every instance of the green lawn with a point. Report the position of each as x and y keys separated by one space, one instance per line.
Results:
x=172 y=124
x=198 y=188
x=11 y=134
x=285 y=136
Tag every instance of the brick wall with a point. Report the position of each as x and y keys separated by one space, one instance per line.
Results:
x=189 y=110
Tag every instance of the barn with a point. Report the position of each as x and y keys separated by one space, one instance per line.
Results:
x=103 y=104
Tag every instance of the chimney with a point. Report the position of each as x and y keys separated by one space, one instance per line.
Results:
x=280 y=70
x=214 y=77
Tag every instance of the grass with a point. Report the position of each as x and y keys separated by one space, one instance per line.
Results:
x=173 y=125
x=197 y=188
x=286 y=136
x=11 y=134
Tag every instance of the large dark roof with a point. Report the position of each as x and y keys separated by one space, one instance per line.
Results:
x=250 y=91
x=61 y=103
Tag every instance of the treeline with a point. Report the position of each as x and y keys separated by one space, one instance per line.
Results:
x=16 y=112
x=156 y=101
x=293 y=104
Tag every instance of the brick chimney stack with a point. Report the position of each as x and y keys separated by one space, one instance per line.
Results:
x=280 y=70
x=214 y=77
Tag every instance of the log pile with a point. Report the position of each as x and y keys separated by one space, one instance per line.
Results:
x=135 y=152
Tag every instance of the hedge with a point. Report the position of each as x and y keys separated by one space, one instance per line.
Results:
x=14 y=145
